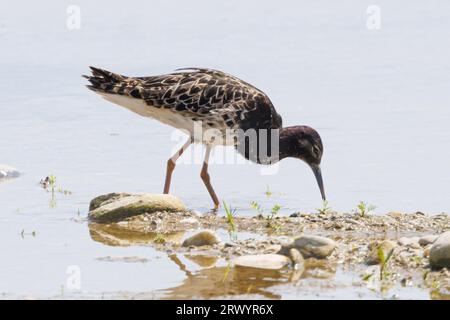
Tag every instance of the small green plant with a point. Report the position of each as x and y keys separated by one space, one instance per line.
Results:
x=249 y=289
x=326 y=209
x=160 y=239
x=49 y=182
x=273 y=213
x=367 y=276
x=230 y=219
x=270 y=218
x=364 y=209
x=384 y=260
x=257 y=207
x=64 y=191
x=268 y=192
x=225 y=275
x=52 y=183
x=271 y=223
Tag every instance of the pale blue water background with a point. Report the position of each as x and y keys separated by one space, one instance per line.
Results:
x=380 y=100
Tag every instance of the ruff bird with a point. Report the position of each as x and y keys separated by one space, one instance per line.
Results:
x=216 y=101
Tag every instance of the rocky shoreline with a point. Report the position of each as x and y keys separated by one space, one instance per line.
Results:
x=395 y=249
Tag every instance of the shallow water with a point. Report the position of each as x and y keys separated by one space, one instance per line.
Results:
x=378 y=98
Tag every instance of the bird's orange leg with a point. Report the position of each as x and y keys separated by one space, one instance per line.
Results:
x=206 y=179
x=171 y=164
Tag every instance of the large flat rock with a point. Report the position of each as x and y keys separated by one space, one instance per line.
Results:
x=115 y=207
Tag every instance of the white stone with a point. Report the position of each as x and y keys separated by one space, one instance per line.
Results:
x=262 y=261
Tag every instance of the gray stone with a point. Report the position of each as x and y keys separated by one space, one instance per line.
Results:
x=7 y=172
x=203 y=238
x=262 y=261
x=311 y=246
x=426 y=240
x=440 y=251
x=115 y=207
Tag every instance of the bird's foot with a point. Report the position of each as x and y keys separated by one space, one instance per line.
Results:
x=214 y=210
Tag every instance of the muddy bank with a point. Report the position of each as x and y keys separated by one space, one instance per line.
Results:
x=383 y=251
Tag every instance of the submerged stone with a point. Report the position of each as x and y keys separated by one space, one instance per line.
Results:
x=7 y=172
x=440 y=251
x=262 y=261
x=115 y=207
x=203 y=238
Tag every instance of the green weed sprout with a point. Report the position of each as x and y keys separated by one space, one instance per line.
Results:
x=326 y=209
x=230 y=218
x=384 y=260
x=364 y=209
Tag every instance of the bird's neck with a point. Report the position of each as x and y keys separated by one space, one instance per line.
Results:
x=277 y=146
x=285 y=143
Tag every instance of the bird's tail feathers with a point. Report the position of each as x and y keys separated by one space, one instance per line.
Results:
x=106 y=81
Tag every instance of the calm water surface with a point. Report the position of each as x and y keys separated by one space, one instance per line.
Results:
x=380 y=100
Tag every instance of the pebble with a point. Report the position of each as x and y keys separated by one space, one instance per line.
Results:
x=203 y=238
x=426 y=240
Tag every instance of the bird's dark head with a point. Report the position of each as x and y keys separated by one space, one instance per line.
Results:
x=303 y=143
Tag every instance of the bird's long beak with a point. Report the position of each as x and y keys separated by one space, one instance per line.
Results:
x=318 y=175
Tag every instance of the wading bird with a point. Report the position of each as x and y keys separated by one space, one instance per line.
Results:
x=217 y=101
